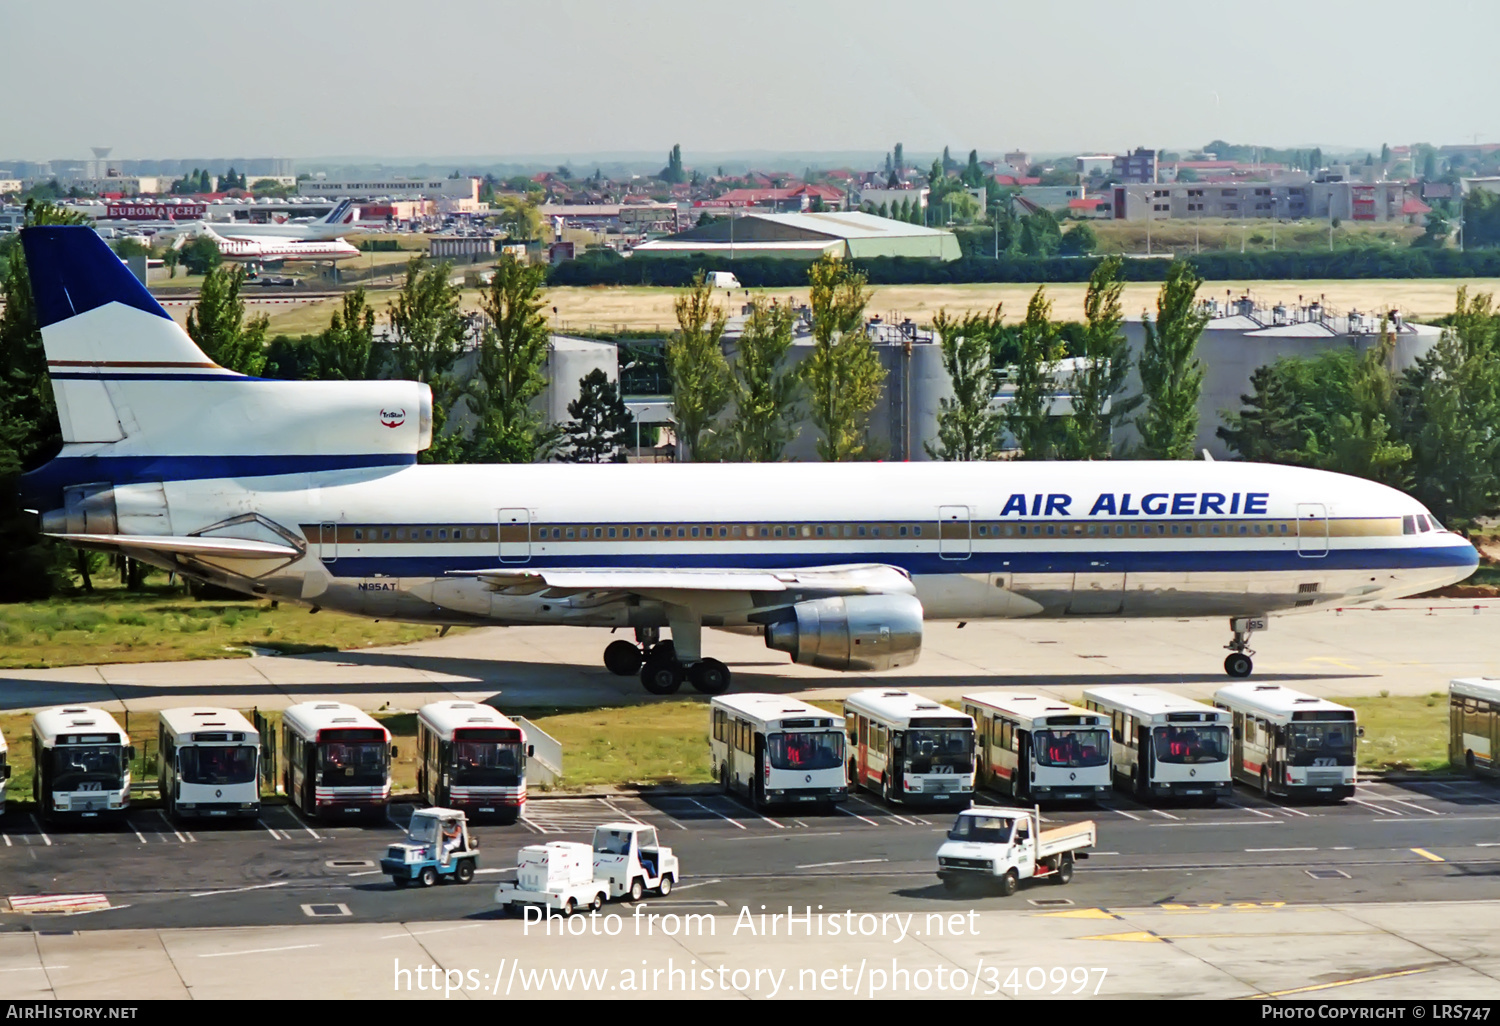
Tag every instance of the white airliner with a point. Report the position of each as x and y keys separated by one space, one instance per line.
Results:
x=310 y=491
x=288 y=241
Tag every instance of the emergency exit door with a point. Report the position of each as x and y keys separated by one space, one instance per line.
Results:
x=954 y=539
x=515 y=535
x=1312 y=529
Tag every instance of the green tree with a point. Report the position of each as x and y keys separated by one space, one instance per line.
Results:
x=766 y=389
x=601 y=426
x=963 y=206
x=1171 y=374
x=201 y=255
x=1028 y=416
x=673 y=172
x=1041 y=235
x=701 y=380
x=968 y=428
x=1080 y=240
x=1450 y=404
x=900 y=159
x=521 y=218
x=973 y=175
x=1429 y=165
x=1385 y=154
x=170 y=258
x=426 y=326
x=31 y=567
x=218 y=325
x=843 y=373
x=1097 y=386
x=510 y=369
x=347 y=349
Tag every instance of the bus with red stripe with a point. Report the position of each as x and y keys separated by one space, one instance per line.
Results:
x=471 y=757
x=1164 y=745
x=1040 y=748
x=908 y=748
x=775 y=750
x=1290 y=743
x=337 y=760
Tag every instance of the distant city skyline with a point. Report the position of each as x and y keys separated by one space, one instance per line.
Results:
x=580 y=79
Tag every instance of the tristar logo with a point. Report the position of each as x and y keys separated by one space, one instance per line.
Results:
x=393 y=418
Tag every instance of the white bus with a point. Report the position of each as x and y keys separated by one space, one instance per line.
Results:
x=777 y=750
x=337 y=759
x=1290 y=743
x=909 y=748
x=1474 y=724
x=82 y=762
x=1164 y=745
x=210 y=763
x=1040 y=748
x=471 y=757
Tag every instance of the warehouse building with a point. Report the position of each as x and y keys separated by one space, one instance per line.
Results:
x=847 y=234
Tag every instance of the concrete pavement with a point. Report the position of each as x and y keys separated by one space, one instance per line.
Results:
x=1406 y=951
x=1413 y=646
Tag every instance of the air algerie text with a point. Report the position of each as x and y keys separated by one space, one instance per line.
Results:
x=1128 y=504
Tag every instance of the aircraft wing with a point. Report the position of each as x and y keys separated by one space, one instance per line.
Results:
x=225 y=548
x=857 y=579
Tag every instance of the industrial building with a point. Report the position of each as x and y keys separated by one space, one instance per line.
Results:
x=848 y=234
x=1348 y=201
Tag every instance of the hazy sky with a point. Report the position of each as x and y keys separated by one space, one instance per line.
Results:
x=507 y=79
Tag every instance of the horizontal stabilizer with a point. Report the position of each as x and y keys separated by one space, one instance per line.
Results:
x=226 y=548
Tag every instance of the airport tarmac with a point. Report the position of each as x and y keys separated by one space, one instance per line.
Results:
x=1408 y=647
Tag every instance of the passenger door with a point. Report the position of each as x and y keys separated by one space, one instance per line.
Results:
x=1312 y=529
x=515 y=535
x=954 y=536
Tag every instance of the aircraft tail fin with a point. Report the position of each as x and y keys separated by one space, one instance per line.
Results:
x=346 y=213
x=98 y=321
x=138 y=401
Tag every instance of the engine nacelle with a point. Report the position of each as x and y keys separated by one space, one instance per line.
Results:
x=853 y=632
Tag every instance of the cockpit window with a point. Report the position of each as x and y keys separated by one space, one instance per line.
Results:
x=1422 y=524
x=1408 y=525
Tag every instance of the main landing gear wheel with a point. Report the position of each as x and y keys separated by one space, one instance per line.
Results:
x=623 y=659
x=709 y=677
x=661 y=676
x=1238 y=664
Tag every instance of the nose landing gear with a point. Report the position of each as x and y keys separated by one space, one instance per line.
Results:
x=1237 y=663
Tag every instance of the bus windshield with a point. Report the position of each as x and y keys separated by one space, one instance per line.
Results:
x=1191 y=744
x=88 y=767
x=1311 y=741
x=216 y=764
x=1070 y=747
x=486 y=763
x=806 y=751
x=352 y=764
x=930 y=749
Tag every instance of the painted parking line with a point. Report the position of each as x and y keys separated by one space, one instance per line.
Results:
x=275 y=834
x=1375 y=808
x=1165 y=815
x=716 y=812
x=863 y=819
x=240 y=890
x=303 y=823
x=1429 y=855
x=1413 y=805
x=1247 y=808
x=846 y=862
x=180 y=836
x=135 y=831
x=1127 y=815
x=45 y=839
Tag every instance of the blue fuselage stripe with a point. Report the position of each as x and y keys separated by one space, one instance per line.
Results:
x=1091 y=561
x=45 y=484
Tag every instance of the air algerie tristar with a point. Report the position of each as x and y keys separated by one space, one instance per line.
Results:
x=310 y=491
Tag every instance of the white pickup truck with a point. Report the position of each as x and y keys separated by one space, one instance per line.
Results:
x=625 y=860
x=1006 y=846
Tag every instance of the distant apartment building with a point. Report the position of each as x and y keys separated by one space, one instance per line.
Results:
x=454 y=195
x=1018 y=159
x=1094 y=164
x=9 y=185
x=1138 y=167
x=1349 y=201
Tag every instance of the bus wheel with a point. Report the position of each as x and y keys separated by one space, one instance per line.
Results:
x=465 y=871
x=1469 y=761
x=1064 y=872
x=724 y=778
x=427 y=877
x=1265 y=783
x=885 y=789
x=1009 y=882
